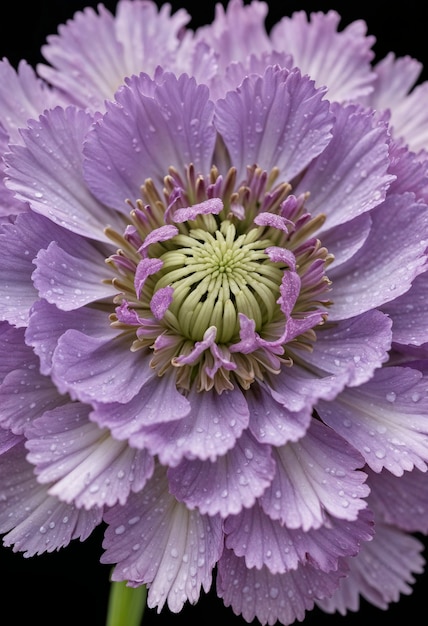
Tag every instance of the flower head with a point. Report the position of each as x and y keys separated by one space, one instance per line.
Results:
x=213 y=337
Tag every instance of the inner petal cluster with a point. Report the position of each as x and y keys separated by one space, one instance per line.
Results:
x=217 y=275
x=217 y=278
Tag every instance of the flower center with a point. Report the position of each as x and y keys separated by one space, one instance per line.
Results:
x=219 y=280
x=217 y=275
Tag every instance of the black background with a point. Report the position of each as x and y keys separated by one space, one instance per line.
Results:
x=70 y=586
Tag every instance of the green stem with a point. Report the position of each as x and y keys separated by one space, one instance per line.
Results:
x=126 y=605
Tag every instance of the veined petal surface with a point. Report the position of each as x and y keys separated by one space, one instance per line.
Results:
x=213 y=331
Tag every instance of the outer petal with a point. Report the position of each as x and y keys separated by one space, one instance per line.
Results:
x=211 y=428
x=271 y=422
x=339 y=60
x=82 y=463
x=26 y=97
x=377 y=274
x=14 y=353
x=19 y=244
x=34 y=521
x=351 y=176
x=400 y=501
x=8 y=440
x=71 y=281
x=47 y=172
x=236 y=72
x=229 y=483
x=263 y=542
x=156 y=540
x=394 y=80
x=409 y=116
x=237 y=31
x=99 y=368
x=298 y=389
x=157 y=402
x=150 y=35
x=195 y=58
x=272 y=598
x=141 y=136
x=24 y=392
x=78 y=54
x=409 y=314
x=411 y=119
x=410 y=170
x=382 y=571
x=316 y=475
x=275 y=120
x=24 y=395
x=345 y=240
x=385 y=419
x=358 y=346
x=47 y=324
x=94 y=52
x=9 y=203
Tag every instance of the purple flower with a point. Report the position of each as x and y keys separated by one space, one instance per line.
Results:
x=213 y=334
